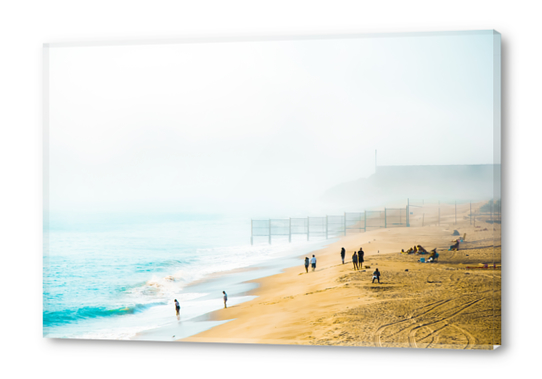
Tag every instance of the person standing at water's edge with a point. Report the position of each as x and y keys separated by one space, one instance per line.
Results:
x=343 y=253
x=307 y=265
x=313 y=262
x=225 y=299
x=177 y=308
x=361 y=254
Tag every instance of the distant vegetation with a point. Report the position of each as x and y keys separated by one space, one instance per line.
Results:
x=491 y=206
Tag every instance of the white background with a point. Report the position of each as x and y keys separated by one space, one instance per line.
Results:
x=26 y=25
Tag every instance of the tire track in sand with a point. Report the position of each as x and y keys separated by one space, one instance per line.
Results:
x=443 y=316
x=378 y=333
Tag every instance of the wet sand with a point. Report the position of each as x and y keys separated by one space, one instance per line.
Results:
x=454 y=303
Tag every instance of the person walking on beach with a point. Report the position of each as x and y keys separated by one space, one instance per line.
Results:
x=376 y=275
x=343 y=253
x=177 y=308
x=313 y=262
x=361 y=254
x=355 y=260
x=307 y=264
x=225 y=299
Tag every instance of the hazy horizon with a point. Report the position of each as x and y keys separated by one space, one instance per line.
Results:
x=260 y=126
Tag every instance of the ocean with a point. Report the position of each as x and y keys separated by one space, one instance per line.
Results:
x=115 y=276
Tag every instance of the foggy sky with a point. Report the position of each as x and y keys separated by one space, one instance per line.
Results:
x=259 y=126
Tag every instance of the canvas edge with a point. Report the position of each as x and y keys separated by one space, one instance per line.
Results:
x=259 y=37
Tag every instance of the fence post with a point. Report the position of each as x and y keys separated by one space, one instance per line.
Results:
x=270 y=231
x=491 y=209
x=290 y=231
x=251 y=233
x=408 y=212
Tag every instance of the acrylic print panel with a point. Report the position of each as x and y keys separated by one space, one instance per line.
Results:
x=313 y=190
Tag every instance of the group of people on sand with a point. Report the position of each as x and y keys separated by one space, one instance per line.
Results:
x=357 y=261
x=417 y=249
x=357 y=258
x=312 y=262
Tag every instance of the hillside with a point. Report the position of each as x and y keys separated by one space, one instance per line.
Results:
x=397 y=183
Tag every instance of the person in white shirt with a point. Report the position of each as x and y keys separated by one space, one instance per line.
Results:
x=313 y=262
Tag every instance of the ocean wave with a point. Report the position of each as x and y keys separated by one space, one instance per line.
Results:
x=214 y=260
x=65 y=316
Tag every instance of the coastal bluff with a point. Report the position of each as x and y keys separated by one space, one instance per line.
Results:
x=428 y=182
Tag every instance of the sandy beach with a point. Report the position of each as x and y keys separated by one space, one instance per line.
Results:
x=453 y=303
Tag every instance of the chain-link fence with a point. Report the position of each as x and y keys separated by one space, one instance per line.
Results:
x=300 y=225
x=417 y=212
x=336 y=226
x=395 y=217
x=450 y=213
x=280 y=227
x=354 y=222
x=260 y=228
x=317 y=226
x=375 y=220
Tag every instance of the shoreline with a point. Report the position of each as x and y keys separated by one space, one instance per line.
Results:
x=292 y=307
x=240 y=283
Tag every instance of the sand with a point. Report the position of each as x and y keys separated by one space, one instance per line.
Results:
x=454 y=303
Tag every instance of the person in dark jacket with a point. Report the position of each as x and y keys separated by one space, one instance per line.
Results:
x=361 y=259
x=343 y=253
x=307 y=264
x=177 y=308
x=376 y=275
x=355 y=260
